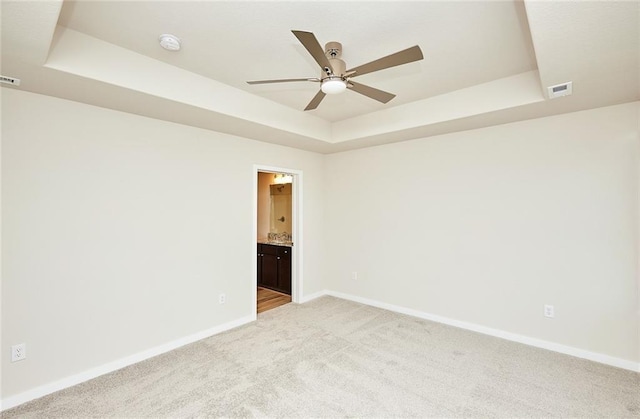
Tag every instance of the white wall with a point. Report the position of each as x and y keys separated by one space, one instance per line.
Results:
x=487 y=226
x=119 y=232
x=638 y=235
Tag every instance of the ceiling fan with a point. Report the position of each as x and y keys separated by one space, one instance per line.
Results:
x=335 y=78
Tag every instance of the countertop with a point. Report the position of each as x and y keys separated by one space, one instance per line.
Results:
x=275 y=243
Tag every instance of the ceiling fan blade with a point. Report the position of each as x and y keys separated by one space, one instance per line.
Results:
x=280 y=81
x=315 y=101
x=373 y=93
x=309 y=41
x=408 y=55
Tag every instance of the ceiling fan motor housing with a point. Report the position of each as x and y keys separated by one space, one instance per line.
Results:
x=333 y=51
x=339 y=68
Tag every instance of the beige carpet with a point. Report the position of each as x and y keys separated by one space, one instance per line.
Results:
x=335 y=358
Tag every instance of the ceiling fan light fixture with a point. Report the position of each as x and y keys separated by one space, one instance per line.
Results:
x=333 y=85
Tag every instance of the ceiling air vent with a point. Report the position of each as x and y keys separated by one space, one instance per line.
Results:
x=559 y=90
x=10 y=80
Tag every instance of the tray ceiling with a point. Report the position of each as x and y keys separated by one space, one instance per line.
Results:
x=486 y=62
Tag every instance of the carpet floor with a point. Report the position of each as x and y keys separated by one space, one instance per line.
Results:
x=336 y=358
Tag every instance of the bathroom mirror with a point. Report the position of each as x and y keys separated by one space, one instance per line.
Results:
x=280 y=220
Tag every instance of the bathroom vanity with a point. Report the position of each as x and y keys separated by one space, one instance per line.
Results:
x=274 y=266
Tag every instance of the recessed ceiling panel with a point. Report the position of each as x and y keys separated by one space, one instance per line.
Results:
x=464 y=43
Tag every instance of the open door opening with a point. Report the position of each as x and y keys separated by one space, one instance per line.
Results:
x=276 y=237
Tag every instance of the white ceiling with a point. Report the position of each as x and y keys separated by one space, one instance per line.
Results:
x=233 y=42
x=486 y=62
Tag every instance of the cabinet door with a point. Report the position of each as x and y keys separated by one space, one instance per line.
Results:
x=259 y=265
x=284 y=270
x=269 y=272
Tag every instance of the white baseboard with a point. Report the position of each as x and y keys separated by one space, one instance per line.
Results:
x=141 y=356
x=538 y=343
x=46 y=389
x=307 y=298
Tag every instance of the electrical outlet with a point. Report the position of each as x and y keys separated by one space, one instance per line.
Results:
x=18 y=352
x=549 y=311
x=222 y=298
x=354 y=275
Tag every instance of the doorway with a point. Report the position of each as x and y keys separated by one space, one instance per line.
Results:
x=277 y=237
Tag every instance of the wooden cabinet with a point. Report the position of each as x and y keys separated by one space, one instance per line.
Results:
x=274 y=267
x=284 y=270
x=268 y=258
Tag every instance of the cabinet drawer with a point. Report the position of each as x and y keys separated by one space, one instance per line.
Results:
x=268 y=249
x=284 y=251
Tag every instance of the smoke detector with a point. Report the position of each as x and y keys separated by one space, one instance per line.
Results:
x=169 y=42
